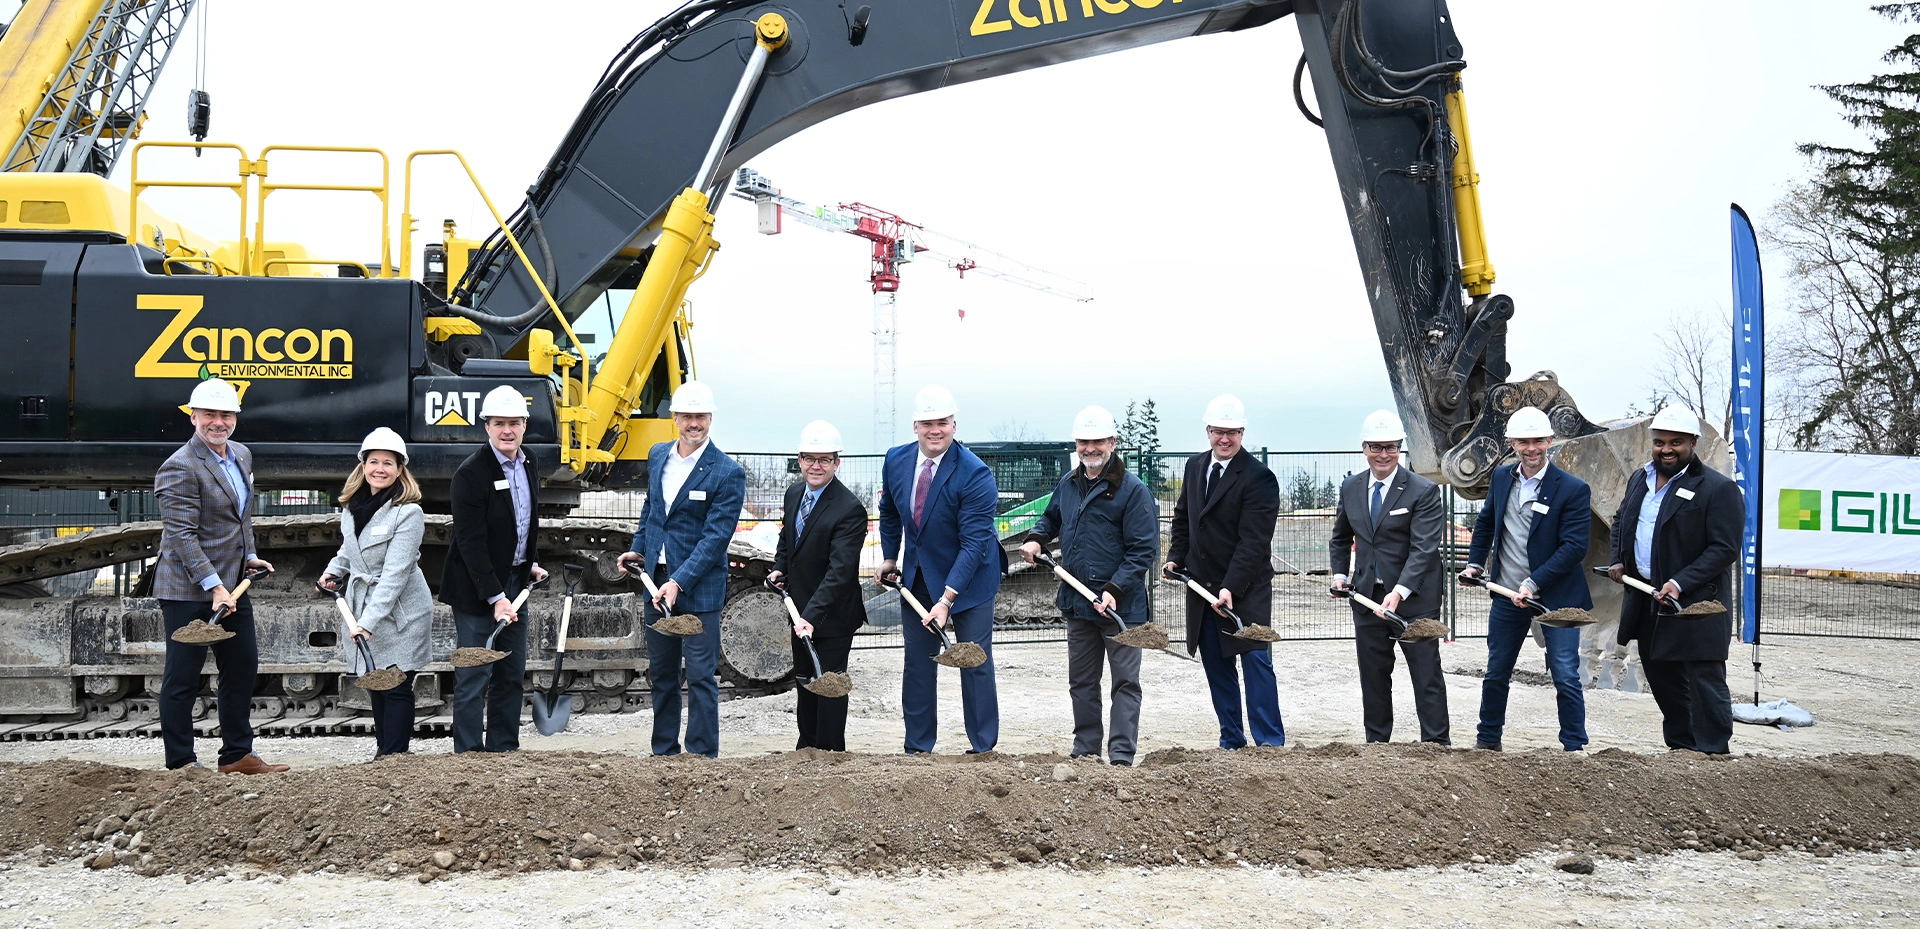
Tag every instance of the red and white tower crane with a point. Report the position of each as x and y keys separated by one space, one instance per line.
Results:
x=895 y=242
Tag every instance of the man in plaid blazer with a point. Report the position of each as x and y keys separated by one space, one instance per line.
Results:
x=206 y=543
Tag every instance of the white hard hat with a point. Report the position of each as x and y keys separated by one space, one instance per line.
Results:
x=933 y=402
x=1094 y=423
x=214 y=394
x=1676 y=419
x=819 y=437
x=1529 y=422
x=1383 y=426
x=383 y=440
x=1226 y=412
x=503 y=401
x=692 y=397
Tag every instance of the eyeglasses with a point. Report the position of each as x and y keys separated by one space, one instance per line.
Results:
x=821 y=460
x=1381 y=448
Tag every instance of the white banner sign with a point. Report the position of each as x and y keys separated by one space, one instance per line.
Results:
x=1841 y=512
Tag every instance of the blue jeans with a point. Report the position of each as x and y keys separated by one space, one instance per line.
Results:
x=919 y=678
x=699 y=656
x=487 y=698
x=1507 y=628
x=1263 y=695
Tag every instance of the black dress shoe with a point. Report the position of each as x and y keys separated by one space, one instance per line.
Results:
x=1487 y=746
x=1120 y=763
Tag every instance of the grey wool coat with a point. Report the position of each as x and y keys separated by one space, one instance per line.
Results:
x=385 y=589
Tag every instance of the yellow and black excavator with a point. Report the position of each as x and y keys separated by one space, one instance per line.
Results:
x=115 y=312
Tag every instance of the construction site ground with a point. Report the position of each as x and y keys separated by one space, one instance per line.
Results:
x=1809 y=827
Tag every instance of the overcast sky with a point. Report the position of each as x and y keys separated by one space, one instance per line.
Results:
x=1178 y=180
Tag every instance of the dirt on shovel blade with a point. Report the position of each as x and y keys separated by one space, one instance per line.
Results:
x=1146 y=635
x=1254 y=632
x=962 y=655
x=473 y=657
x=1421 y=630
x=1703 y=608
x=1568 y=616
x=679 y=625
x=387 y=678
x=200 y=632
x=831 y=684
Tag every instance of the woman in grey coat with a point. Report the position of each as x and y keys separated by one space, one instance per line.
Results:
x=379 y=560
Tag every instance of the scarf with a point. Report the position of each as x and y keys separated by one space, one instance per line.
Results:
x=363 y=505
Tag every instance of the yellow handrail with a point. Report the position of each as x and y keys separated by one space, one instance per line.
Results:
x=386 y=232
x=248 y=168
x=167 y=264
x=271 y=262
x=567 y=453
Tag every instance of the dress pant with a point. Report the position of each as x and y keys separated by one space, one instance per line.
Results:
x=238 y=660
x=393 y=717
x=1088 y=647
x=699 y=657
x=1374 y=649
x=919 y=677
x=823 y=720
x=1507 y=629
x=1696 y=711
x=1263 y=694
x=487 y=698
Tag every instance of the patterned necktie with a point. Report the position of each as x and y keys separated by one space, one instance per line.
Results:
x=1379 y=496
x=806 y=506
x=921 y=488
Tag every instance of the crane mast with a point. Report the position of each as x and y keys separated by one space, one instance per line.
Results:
x=895 y=242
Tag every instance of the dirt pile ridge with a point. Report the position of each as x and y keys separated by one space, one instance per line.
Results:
x=1335 y=806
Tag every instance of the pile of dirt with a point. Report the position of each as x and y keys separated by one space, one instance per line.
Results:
x=1337 y=806
x=1421 y=630
x=681 y=625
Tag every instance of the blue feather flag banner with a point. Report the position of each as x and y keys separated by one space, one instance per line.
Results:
x=1749 y=403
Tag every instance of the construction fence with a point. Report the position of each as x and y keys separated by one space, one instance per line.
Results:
x=1794 y=603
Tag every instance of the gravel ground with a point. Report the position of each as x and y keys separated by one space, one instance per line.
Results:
x=1862 y=693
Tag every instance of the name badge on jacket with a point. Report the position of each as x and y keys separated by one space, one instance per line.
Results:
x=1539 y=507
x=1399 y=512
x=381 y=530
x=696 y=495
x=1683 y=493
x=500 y=484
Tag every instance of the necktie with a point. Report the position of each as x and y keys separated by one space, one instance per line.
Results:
x=1379 y=496
x=921 y=488
x=1213 y=477
x=806 y=506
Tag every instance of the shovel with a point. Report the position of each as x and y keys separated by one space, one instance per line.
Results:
x=1406 y=631
x=960 y=655
x=1664 y=606
x=1146 y=635
x=210 y=631
x=1564 y=618
x=1252 y=632
x=679 y=625
x=824 y=683
x=372 y=679
x=552 y=710
x=470 y=657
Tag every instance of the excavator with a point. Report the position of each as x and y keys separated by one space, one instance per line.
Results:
x=116 y=311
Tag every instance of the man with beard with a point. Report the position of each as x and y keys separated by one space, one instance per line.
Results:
x=1109 y=531
x=1531 y=537
x=1679 y=528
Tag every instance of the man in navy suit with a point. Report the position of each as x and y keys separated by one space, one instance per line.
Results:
x=694 y=493
x=941 y=500
x=1531 y=538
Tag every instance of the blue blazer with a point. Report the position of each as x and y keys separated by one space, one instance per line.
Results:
x=957 y=547
x=696 y=533
x=1556 y=542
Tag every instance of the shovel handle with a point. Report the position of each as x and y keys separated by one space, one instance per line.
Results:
x=1238 y=623
x=914 y=602
x=1665 y=605
x=1503 y=591
x=240 y=590
x=1369 y=604
x=1067 y=576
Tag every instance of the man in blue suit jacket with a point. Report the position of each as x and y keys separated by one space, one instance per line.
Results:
x=1531 y=537
x=942 y=500
x=694 y=493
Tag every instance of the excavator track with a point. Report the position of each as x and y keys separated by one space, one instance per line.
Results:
x=90 y=666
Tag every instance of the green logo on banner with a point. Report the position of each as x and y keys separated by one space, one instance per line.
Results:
x=1800 y=509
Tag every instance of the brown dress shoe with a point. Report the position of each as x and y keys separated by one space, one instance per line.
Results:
x=253 y=765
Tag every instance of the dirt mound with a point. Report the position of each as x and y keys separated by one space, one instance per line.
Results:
x=962 y=655
x=384 y=679
x=680 y=625
x=473 y=656
x=1421 y=630
x=1149 y=636
x=831 y=684
x=1337 y=806
x=201 y=632
x=1704 y=608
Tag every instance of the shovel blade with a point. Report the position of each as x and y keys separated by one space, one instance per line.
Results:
x=550 y=717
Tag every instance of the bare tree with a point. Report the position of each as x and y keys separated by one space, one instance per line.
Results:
x=1855 y=354
x=1696 y=354
x=1015 y=430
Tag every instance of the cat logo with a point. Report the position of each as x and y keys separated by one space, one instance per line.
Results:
x=450 y=408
